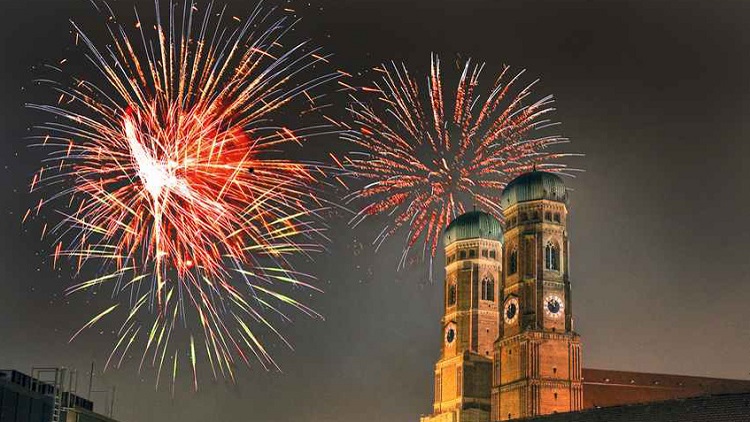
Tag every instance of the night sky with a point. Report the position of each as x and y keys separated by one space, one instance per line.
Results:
x=655 y=93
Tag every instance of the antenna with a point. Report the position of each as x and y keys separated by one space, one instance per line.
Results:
x=91 y=379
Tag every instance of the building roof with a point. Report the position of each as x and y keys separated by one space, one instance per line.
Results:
x=717 y=408
x=604 y=388
x=533 y=186
x=473 y=225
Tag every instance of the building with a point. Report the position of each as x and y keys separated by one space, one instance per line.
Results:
x=463 y=374
x=604 y=388
x=538 y=352
x=713 y=408
x=509 y=348
x=24 y=398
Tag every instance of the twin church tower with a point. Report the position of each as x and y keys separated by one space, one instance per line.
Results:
x=509 y=349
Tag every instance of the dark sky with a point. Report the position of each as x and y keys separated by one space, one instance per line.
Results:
x=656 y=93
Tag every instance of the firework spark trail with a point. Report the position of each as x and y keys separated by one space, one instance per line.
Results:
x=422 y=164
x=168 y=174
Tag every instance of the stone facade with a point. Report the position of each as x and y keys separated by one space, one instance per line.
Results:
x=463 y=374
x=537 y=356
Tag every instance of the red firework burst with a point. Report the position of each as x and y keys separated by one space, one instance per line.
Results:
x=423 y=160
x=175 y=184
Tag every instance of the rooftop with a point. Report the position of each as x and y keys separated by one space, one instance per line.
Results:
x=473 y=225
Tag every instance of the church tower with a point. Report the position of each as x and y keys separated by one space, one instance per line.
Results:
x=470 y=323
x=537 y=357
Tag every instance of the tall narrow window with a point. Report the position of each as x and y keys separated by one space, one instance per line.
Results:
x=552 y=257
x=451 y=294
x=513 y=262
x=529 y=257
x=488 y=289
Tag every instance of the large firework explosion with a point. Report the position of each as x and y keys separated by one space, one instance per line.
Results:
x=425 y=158
x=165 y=167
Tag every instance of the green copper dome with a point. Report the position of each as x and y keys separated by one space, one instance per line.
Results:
x=472 y=225
x=533 y=186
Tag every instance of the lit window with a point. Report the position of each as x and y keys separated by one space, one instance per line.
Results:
x=452 y=294
x=552 y=257
x=488 y=289
x=513 y=262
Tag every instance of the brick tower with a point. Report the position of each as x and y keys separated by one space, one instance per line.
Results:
x=463 y=374
x=537 y=356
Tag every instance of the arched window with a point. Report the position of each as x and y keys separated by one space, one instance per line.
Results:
x=451 y=294
x=488 y=289
x=513 y=262
x=552 y=257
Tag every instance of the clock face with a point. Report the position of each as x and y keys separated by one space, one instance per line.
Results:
x=511 y=310
x=450 y=334
x=553 y=306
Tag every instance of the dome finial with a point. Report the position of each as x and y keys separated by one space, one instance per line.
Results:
x=533 y=186
x=473 y=225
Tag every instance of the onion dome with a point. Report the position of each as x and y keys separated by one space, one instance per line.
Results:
x=533 y=186
x=473 y=225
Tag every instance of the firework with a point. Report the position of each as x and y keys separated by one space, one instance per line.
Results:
x=424 y=159
x=166 y=170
